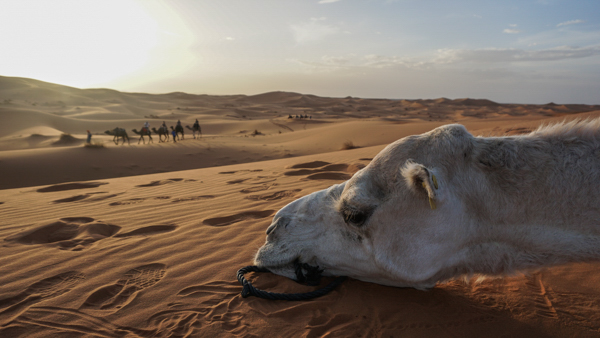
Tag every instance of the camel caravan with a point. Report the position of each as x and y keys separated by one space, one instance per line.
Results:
x=162 y=131
x=445 y=204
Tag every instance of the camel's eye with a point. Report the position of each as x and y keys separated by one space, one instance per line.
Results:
x=354 y=217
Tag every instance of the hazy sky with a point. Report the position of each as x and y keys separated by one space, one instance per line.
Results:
x=522 y=51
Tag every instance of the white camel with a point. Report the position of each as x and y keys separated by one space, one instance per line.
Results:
x=444 y=204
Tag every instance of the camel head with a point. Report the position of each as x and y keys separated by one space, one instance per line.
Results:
x=392 y=223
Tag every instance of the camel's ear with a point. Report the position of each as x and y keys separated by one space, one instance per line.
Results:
x=421 y=180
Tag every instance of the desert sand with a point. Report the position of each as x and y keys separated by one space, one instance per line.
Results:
x=144 y=240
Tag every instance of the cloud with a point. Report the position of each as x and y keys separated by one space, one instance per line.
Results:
x=352 y=62
x=511 y=31
x=327 y=63
x=313 y=30
x=328 y=1
x=570 y=22
x=447 y=57
x=494 y=55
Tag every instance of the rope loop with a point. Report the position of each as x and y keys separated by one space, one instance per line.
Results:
x=313 y=275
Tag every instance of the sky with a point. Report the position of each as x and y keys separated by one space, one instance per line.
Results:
x=513 y=51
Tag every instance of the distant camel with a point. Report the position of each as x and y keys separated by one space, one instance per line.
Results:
x=162 y=131
x=179 y=129
x=195 y=129
x=118 y=132
x=144 y=132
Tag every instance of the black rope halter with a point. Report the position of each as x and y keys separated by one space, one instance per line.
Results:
x=312 y=277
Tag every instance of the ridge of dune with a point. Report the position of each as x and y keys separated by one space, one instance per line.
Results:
x=272 y=125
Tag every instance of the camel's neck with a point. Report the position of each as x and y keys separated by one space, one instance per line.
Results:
x=522 y=250
x=529 y=181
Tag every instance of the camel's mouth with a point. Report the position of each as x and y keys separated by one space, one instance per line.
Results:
x=270 y=258
x=300 y=272
x=286 y=270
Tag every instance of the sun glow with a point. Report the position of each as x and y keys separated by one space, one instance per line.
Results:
x=79 y=43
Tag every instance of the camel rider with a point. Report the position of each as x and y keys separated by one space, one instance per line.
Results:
x=179 y=124
x=196 y=124
x=146 y=127
x=164 y=125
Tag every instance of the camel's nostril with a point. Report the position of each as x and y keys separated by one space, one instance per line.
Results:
x=281 y=221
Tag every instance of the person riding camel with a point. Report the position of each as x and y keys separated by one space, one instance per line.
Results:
x=164 y=125
x=146 y=127
x=179 y=124
x=196 y=124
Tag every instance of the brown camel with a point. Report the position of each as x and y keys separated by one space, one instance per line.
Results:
x=144 y=132
x=195 y=129
x=118 y=132
x=179 y=129
x=162 y=131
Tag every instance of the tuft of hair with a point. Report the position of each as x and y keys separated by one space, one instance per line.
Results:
x=578 y=128
x=410 y=171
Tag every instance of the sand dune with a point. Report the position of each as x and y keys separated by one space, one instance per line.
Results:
x=145 y=240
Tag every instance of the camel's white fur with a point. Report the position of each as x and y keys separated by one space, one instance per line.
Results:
x=502 y=204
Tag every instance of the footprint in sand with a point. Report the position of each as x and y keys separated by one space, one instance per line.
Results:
x=37 y=292
x=301 y=172
x=237 y=181
x=149 y=230
x=52 y=321
x=274 y=196
x=262 y=179
x=223 y=288
x=86 y=197
x=309 y=165
x=71 y=186
x=331 y=167
x=329 y=176
x=161 y=182
x=128 y=202
x=239 y=171
x=72 y=198
x=215 y=303
x=116 y=296
x=137 y=200
x=227 y=220
x=71 y=233
x=259 y=188
x=319 y=170
x=192 y=198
